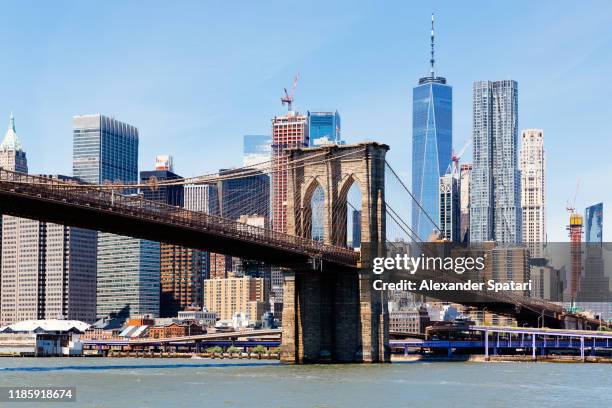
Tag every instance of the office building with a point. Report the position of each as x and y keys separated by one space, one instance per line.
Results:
x=495 y=201
x=182 y=270
x=228 y=296
x=201 y=198
x=593 y=223
x=12 y=155
x=594 y=294
x=166 y=194
x=204 y=198
x=450 y=216
x=432 y=139
x=533 y=193
x=257 y=151
x=465 y=177
x=47 y=271
x=288 y=131
x=324 y=128
x=106 y=150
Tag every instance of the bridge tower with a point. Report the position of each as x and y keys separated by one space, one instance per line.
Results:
x=332 y=314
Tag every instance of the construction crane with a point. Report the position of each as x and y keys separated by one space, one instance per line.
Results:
x=453 y=166
x=288 y=99
x=575 y=235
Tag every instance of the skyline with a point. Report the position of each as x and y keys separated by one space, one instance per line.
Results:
x=178 y=98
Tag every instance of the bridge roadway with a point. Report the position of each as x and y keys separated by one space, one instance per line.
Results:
x=89 y=206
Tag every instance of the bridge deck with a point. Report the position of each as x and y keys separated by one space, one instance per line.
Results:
x=88 y=206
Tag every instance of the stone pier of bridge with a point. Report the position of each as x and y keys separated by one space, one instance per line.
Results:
x=332 y=313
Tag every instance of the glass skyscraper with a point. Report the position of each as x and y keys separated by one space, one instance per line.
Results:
x=495 y=194
x=324 y=128
x=432 y=140
x=593 y=222
x=106 y=150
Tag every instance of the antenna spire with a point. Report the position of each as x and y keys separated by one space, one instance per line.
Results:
x=432 y=60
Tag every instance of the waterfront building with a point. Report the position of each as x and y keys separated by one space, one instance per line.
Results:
x=450 y=217
x=533 y=193
x=47 y=271
x=176 y=329
x=495 y=203
x=105 y=150
x=465 y=177
x=324 y=128
x=202 y=317
x=257 y=151
x=432 y=139
x=228 y=296
x=411 y=320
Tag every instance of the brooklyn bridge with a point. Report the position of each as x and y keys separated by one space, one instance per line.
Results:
x=331 y=311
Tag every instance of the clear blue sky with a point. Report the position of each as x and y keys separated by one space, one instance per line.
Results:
x=196 y=76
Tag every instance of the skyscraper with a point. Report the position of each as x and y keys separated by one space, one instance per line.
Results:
x=533 y=194
x=432 y=139
x=324 y=127
x=12 y=155
x=465 y=178
x=288 y=131
x=593 y=220
x=106 y=150
x=450 y=219
x=495 y=203
x=257 y=150
x=47 y=270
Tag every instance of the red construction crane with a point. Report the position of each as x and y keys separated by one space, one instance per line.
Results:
x=455 y=159
x=288 y=99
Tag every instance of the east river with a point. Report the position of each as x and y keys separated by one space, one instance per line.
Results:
x=130 y=382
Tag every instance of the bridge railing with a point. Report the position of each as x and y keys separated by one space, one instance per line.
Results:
x=83 y=194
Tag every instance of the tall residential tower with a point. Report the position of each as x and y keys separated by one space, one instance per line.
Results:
x=495 y=195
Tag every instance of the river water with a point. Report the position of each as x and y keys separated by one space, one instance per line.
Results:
x=127 y=382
